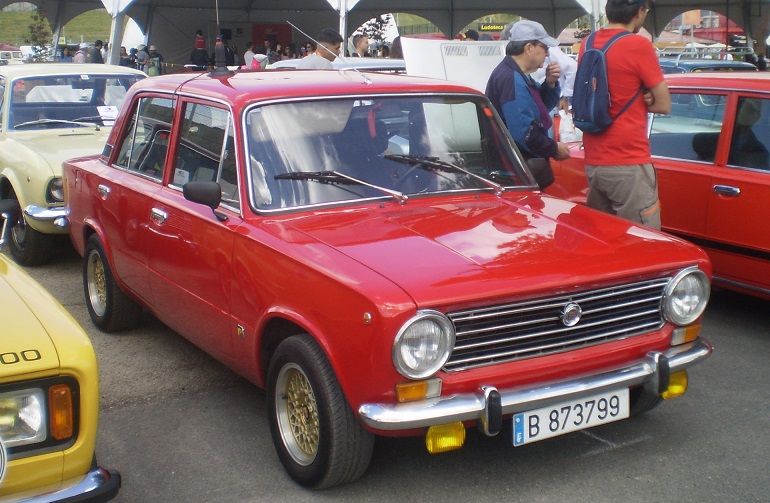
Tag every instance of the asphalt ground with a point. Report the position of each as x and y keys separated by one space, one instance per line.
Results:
x=180 y=427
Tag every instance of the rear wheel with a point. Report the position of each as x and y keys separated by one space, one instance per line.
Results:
x=110 y=309
x=28 y=246
x=316 y=434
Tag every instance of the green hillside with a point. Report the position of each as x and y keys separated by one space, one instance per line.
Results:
x=92 y=25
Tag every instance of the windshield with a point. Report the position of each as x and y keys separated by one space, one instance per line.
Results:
x=329 y=151
x=67 y=100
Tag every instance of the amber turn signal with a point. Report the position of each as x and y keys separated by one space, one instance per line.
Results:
x=62 y=416
x=677 y=385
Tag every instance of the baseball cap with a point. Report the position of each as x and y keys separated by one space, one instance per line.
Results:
x=523 y=31
x=83 y=45
x=152 y=48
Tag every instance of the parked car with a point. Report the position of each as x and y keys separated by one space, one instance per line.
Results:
x=688 y=65
x=49 y=395
x=387 y=65
x=50 y=113
x=372 y=250
x=711 y=155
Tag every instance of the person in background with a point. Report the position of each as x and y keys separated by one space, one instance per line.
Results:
x=81 y=56
x=621 y=178
x=66 y=57
x=471 y=35
x=125 y=59
x=360 y=46
x=761 y=63
x=395 y=48
x=200 y=42
x=95 y=53
x=142 y=57
x=154 y=62
x=522 y=103
x=248 y=56
x=383 y=51
x=329 y=43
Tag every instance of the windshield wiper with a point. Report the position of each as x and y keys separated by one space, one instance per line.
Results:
x=335 y=177
x=56 y=121
x=434 y=163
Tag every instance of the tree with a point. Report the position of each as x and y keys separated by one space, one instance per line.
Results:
x=39 y=36
x=374 y=29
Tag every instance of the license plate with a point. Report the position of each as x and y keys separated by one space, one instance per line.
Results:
x=566 y=417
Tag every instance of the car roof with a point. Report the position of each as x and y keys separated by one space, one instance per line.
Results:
x=242 y=87
x=704 y=64
x=744 y=81
x=44 y=69
x=362 y=64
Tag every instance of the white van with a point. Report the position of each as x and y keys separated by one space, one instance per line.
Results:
x=11 y=57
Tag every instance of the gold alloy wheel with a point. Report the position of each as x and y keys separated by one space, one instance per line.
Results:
x=97 y=284
x=297 y=412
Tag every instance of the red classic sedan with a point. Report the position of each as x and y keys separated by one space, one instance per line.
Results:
x=711 y=154
x=372 y=250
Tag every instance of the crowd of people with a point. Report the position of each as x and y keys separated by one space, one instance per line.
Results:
x=141 y=57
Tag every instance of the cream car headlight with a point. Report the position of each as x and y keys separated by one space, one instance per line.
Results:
x=686 y=296
x=55 y=191
x=23 y=417
x=423 y=344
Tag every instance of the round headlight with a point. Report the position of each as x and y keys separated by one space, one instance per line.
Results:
x=686 y=296
x=423 y=344
x=55 y=190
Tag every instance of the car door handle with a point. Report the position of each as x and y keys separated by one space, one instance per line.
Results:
x=727 y=190
x=104 y=191
x=158 y=216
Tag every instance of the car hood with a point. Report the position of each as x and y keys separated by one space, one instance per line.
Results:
x=25 y=345
x=468 y=248
x=57 y=145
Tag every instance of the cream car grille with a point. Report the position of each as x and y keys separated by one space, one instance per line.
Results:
x=504 y=333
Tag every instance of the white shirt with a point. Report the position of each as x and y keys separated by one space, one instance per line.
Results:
x=314 y=62
x=247 y=57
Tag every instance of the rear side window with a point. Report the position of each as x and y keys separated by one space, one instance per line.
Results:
x=144 y=144
x=691 y=131
x=750 y=145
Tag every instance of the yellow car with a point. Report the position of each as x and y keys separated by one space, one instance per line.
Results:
x=49 y=396
x=48 y=114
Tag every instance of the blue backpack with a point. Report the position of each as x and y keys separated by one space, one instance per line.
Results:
x=591 y=96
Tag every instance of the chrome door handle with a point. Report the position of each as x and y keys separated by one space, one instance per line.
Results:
x=727 y=190
x=104 y=191
x=158 y=216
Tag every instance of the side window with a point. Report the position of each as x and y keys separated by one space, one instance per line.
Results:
x=751 y=135
x=145 y=143
x=206 y=150
x=691 y=131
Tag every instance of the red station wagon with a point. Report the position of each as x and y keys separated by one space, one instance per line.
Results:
x=712 y=158
x=372 y=251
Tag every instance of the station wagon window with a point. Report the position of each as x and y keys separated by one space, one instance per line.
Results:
x=145 y=142
x=751 y=135
x=691 y=131
x=330 y=151
x=206 y=151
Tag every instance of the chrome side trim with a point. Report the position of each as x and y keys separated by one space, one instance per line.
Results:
x=472 y=406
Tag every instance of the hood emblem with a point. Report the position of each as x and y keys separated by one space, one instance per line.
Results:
x=570 y=315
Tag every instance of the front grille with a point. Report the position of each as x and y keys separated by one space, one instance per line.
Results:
x=504 y=333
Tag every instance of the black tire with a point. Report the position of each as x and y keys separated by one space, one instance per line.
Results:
x=28 y=246
x=315 y=432
x=642 y=402
x=110 y=309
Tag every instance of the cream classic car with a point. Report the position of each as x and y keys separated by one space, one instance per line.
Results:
x=48 y=114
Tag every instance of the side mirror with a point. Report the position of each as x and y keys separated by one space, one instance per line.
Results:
x=206 y=193
x=541 y=171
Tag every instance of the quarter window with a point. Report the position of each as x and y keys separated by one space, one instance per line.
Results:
x=691 y=131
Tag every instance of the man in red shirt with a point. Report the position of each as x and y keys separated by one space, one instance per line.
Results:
x=621 y=177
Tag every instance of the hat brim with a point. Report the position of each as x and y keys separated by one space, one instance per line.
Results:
x=550 y=41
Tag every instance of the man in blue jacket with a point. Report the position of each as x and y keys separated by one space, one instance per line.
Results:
x=523 y=103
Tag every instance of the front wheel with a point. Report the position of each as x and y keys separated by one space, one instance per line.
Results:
x=315 y=433
x=110 y=309
x=28 y=246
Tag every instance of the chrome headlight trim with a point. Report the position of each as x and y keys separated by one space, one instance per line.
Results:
x=423 y=344
x=686 y=296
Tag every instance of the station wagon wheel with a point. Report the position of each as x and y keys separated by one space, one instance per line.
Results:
x=315 y=432
x=109 y=307
x=28 y=246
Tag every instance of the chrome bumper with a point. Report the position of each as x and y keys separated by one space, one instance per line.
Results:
x=98 y=485
x=56 y=215
x=490 y=404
